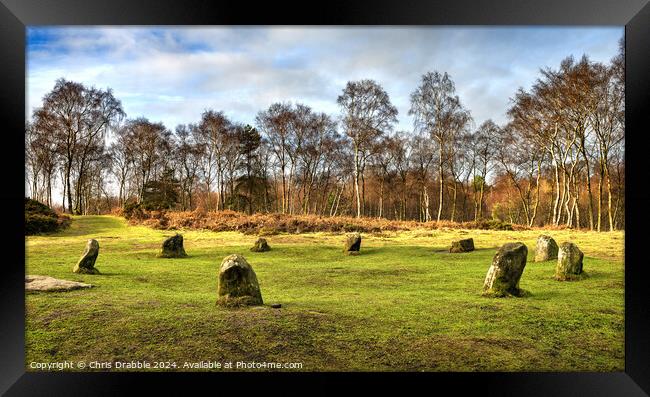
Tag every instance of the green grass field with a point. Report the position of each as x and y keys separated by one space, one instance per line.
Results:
x=404 y=304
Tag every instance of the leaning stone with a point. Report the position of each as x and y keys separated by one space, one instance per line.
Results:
x=173 y=247
x=86 y=264
x=261 y=245
x=569 y=262
x=546 y=249
x=51 y=284
x=238 y=284
x=465 y=245
x=502 y=278
x=352 y=244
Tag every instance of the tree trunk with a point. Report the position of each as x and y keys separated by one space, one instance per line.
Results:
x=609 y=200
x=356 y=180
x=601 y=176
x=556 y=201
x=381 y=197
x=591 y=198
x=453 y=203
x=427 y=215
x=49 y=190
x=534 y=215
x=480 y=198
x=284 y=190
x=68 y=171
x=441 y=194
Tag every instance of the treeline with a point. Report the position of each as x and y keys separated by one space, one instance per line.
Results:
x=559 y=160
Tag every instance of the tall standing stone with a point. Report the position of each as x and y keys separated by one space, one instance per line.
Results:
x=569 y=262
x=465 y=245
x=502 y=278
x=545 y=249
x=86 y=264
x=238 y=284
x=172 y=247
x=352 y=244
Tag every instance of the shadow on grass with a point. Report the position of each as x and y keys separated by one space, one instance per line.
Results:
x=546 y=294
x=446 y=250
x=363 y=252
x=101 y=273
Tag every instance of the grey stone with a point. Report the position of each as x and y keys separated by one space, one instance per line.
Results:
x=465 y=245
x=86 y=264
x=261 y=245
x=238 y=284
x=50 y=284
x=502 y=278
x=172 y=247
x=545 y=249
x=569 y=262
x=352 y=244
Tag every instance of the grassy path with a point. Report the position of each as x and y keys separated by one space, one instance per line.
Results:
x=404 y=304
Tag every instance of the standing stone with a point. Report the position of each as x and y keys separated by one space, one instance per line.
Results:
x=173 y=247
x=465 y=245
x=569 y=262
x=261 y=245
x=352 y=244
x=502 y=278
x=546 y=249
x=86 y=264
x=238 y=284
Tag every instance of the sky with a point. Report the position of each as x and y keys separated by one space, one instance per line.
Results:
x=173 y=74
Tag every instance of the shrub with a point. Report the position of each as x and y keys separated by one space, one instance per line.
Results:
x=39 y=218
x=493 y=224
x=133 y=210
x=348 y=227
x=269 y=224
x=268 y=231
x=36 y=207
x=39 y=223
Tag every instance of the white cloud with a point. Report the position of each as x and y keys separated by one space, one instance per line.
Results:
x=173 y=74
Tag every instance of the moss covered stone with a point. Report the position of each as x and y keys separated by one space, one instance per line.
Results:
x=260 y=246
x=465 y=245
x=545 y=249
x=238 y=284
x=569 y=262
x=172 y=247
x=352 y=244
x=86 y=264
x=502 y=278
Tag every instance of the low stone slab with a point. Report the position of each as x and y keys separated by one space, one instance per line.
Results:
x=545 y=249
x=51 y=284
x=352 y=244
x=465 y=245
x=172 y=247
x=86 y=264
x=502 y=278
x=569 y=262
x=261 y=245
x=238 y=284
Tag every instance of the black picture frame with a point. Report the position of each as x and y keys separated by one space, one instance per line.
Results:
x=15 y=15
